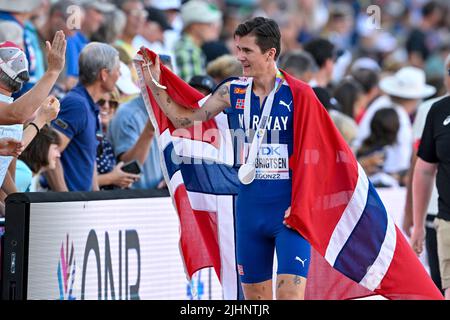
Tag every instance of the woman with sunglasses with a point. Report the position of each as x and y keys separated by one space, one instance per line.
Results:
x=110 y=174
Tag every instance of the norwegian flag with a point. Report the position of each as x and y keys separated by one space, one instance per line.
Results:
x=240 y=103
x=358 y=250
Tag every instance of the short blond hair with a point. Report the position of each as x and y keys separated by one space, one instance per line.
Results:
x=224 y=67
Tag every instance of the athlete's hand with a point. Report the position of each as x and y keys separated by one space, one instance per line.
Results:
x=155 y=68
x=287 y=213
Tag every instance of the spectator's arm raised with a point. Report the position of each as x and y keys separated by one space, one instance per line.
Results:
x=23 y=108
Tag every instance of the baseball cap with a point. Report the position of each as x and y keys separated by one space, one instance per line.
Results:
x=200 y=12
x=13 y=60
x=125 y=82
x=203 y=81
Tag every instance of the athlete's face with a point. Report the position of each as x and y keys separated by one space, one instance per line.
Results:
x=254 y=62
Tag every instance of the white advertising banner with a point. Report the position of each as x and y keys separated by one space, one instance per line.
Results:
x=110 y=249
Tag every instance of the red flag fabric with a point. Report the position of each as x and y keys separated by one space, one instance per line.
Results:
x=339 y=212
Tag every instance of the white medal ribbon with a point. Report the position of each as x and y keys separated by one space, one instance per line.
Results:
x=247 y=171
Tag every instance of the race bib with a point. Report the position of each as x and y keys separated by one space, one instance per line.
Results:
x=272 y=162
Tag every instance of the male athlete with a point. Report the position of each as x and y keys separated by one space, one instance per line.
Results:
x=260 y=101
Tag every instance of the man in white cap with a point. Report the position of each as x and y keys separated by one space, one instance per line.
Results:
x=13 y=16
x=200 y=20
x=405 y=89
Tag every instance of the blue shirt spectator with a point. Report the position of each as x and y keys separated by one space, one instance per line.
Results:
x=125 y=130
x=75 y=45
x=78 y=120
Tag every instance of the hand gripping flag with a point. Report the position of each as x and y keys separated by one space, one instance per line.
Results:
x=334 y=206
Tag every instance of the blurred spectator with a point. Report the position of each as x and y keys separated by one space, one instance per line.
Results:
x=199 y=20
x=110 y=175
x=339 y=28
x=324 y=55
x=405 y=89
x=232 y=18
x=345 y=124
x=422 y=40
x=368 y=79
x=383 y=135
x=32 y=34
x=93 y=18
x=152 y=35
x=13 y=18
x=365 y=63
x=112 y=27
x=57 y=17
x=299 y=64
x=349 y=94
x=434 y=66
x=205 y=84
x=224 y=67
x=131 y=134
x=315 y=14
x=136 y=17
x=214 y=49
x=171 y=9
x=41 y=155
x=290 y=26
x=78 y=123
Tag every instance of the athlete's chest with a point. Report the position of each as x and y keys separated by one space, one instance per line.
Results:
x=279 y=118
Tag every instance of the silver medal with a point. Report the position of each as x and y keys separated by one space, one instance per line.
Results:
x=247 y=173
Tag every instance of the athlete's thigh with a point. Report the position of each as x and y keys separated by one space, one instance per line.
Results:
x=293 y=252
x=254 y=244
x=254 y=256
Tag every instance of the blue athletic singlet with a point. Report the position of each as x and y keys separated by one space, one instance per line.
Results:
x=261 y=205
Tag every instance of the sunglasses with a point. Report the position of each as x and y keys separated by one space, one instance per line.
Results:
x=112 y=103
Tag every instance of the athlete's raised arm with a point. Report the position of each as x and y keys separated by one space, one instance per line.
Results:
x=180 y=116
